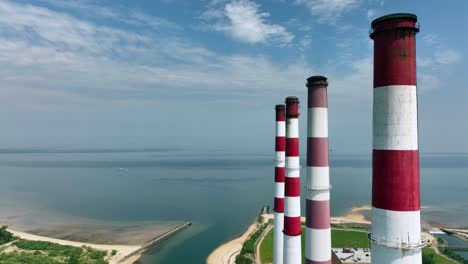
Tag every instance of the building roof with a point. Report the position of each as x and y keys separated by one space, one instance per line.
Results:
x=353 y=255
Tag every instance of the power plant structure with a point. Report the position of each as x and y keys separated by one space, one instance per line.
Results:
x=280 y=148
x=396 y=221
x=318 y=228
x=292 y=187
x=395 y=215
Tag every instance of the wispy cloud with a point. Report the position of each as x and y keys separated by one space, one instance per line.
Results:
x=430 y=39
x=427 y=82
x=424 y=62
x=51 y=52
x=243 y=21
x=371 y=14
x=329 y=11
x=440 y=57
x=447 y=56
x=131 y=17
x=427 y=79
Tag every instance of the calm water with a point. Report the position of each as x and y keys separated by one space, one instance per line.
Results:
x=455 y=242
x=220 y=193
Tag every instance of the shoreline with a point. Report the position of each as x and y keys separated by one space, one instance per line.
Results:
x=228 y=250
x=125 y=253
x=122 y=250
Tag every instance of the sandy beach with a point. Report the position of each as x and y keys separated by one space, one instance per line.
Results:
x=355 y=215
x=360 y=214
x=122 y=250
x=227 y=252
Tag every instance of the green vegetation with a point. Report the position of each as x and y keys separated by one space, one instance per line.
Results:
x=25 y=258
x=246 y=255
x=241 y=259
x=340 y=238
x=114 y=252
x=429 y=256
x=353 y=226
x=5 y=236
x=39 y=252
x=449 y=253
x=346 y=238
x=266 y=248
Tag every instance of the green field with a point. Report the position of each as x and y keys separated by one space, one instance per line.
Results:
x=340 y=238
x=345 y=238
x=430 y=257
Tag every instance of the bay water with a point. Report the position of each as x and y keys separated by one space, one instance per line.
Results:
x=220 y=192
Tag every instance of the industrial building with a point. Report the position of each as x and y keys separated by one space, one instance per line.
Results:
x=351 y=255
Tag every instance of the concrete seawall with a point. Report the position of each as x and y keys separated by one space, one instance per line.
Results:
x=155 y=240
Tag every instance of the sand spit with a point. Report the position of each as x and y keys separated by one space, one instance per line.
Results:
x=358 y=214
x=122 y=250
x=227 y=252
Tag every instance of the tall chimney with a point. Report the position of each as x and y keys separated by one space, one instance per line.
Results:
x=318 y=228
x=280 y=147
x=396 y=227
x=292 y=214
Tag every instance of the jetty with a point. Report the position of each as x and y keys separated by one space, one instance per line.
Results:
x=456 y=248
x=156 y=240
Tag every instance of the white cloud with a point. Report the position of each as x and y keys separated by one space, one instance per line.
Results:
x=427 y=82
x=131 y=17
x=243 y=21
x=212 y=13
x=64 y=31
x=430 y=39
x=328 y=11
x=447 y=56
x=60 y=55
x=371 y=13
x=427 y=79
x=424 y=62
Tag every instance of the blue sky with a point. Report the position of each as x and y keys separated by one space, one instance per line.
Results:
x=207 y=74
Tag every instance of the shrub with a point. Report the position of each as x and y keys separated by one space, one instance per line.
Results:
x=5 y=236
x=241 y=259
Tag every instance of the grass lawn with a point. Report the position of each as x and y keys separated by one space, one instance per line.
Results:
x=266 y=248
x=344 y=238
x=340 y=238
x=431 y=257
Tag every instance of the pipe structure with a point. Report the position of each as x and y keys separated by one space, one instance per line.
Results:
x=396 y=221
x=280 y=148
x=318 y=228
x=292 y=189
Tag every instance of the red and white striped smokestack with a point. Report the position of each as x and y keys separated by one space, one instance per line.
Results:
x=318 y=228
x=292 y=211
x=396 y=227
x=280 y=148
